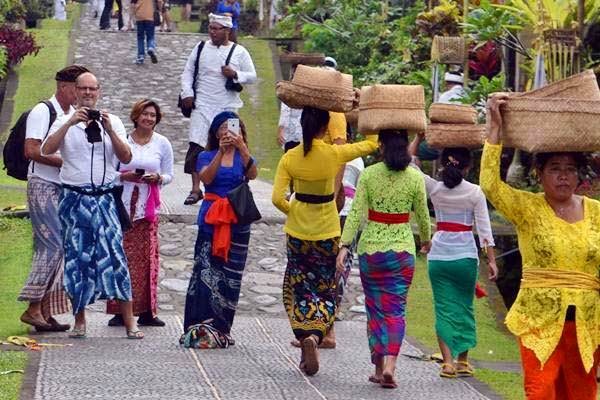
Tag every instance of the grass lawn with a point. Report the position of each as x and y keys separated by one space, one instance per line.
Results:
x=12 y=191
x=509 y=385
x=10 y=384
x=182 y=26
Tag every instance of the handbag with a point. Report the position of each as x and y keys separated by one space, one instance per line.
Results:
x=242 y=202
x=186 y=111
x=230 y=84
x=124 y=218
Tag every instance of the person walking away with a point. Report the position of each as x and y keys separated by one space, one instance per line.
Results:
x=43 y=289
x=144 y=22
x=91 y=143
x=107 y=13
x=231 y=8
x=210 y=96
x=313 y=230
x=166 y=16
x=556 y=316
x=150 y=169
x=222 y=243
x=387 y=192
x=453 y=259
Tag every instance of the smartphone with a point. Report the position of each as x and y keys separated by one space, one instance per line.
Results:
x=233 y=125
x=140 y=171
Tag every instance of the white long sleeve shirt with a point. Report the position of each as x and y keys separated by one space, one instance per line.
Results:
x=156 y=156
x=210 y=85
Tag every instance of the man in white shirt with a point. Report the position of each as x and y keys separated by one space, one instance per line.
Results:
x=91 y=144
x=454 y=88
x=44 y=289
x=211 y=96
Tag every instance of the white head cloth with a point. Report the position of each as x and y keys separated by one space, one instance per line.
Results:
x=222 y=20
x=455 y=77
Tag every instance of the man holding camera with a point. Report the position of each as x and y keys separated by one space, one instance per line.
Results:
x=91 y=144
x=222 y=68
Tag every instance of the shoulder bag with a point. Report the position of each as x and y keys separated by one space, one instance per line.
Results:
x=185 y=111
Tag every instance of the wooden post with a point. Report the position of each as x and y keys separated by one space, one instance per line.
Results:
x=466 y=65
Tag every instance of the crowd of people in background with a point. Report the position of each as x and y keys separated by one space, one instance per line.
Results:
x=94 y=199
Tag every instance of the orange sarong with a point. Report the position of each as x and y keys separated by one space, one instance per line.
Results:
x=563 y=376
x=221 y=216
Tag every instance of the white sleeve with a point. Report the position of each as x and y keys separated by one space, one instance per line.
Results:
x=56 y=126
x=187 y=77
x=284 y=116
x=37 y=122
x=166 y=161
x=247 y=73
x=430 y=183
x=119 y=129
x=482 y=220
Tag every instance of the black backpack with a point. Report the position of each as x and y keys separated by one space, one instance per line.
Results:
x=15 y=162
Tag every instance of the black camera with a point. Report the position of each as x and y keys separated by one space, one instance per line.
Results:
x=233 y=86
x=92 y=132
x=140 y=171
x=94 y=114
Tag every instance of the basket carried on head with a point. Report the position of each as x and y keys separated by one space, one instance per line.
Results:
x=319 y=88
x=303 y=58
x=392 y=107
x=448 y=49
x=452 y=113
x=455 y=135
x=551 y=124
x=582 y=86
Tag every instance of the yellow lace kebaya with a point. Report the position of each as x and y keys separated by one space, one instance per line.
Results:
x=561 y=264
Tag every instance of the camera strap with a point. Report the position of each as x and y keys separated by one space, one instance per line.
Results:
x=104 y=161
x=230 y=53
x=197 y=67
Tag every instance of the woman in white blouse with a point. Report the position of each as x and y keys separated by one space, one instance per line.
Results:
x=150 y=168
x=453 y=257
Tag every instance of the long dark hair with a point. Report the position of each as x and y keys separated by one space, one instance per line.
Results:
x=212 y=142
x=312 y=121
x=395 y=148
x=454 y=161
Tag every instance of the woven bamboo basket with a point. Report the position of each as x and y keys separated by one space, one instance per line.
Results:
x=452 y=113
x=582 y=86
x=319 y=88
x=303 y=58
x=448 y=49
x=441 y=136
x=546 y=125
x=392 y=107
x=352 y=118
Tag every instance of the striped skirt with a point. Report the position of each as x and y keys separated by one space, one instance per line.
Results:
x=309 y=286
x=214 y=288
x=95 y=262
x=386 y=278
x=45 y=281
x=141 y=247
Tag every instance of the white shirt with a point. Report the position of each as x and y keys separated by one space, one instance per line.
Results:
x=210 y=85
x=78 y=166
x=464 y=204
x=156 y=156
x=456 y=92
x=289 y=120
x=37 y=126
x=352 y=172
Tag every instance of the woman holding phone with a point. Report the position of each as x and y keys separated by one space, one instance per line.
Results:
x=150 y=168
x=222 y=244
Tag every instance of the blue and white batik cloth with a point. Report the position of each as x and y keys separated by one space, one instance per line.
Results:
x=95 y=262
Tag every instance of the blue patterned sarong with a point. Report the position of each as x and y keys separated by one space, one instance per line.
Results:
x=95 y=262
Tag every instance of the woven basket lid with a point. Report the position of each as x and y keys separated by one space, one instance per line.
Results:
x=321 y=78
x=401 y=97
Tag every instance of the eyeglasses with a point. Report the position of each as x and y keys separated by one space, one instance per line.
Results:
x=86 y=88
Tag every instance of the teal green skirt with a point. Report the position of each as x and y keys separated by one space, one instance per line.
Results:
x=453 y=284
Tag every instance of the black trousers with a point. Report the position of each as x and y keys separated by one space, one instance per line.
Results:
x=105 y=18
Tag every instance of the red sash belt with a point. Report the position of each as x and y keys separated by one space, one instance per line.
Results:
x=388 y=218
x=453 y=227
x=221 y=215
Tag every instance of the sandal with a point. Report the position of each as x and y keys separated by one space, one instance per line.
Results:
x=466 y=369
x=30 y=320
x=78 y=333
x=193 y=198
x=374 y=379
x=445 y=374
x=388 y=381
x=135 y=334
x=55 y=326
x=311 y=356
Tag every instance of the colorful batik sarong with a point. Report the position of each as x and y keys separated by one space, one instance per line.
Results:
x=386 y=278
x=309 y=286
x=45 y=281
x=453 y=284
x=215 y=284
x=95 y=262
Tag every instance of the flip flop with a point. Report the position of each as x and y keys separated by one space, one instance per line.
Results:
x=449 y=375
x=135 y=334
x=374 y=379
x=388 y=381
x=465 y=371
x=193 y=198
x=311 y=357
x=77 y=333
x=30 y=320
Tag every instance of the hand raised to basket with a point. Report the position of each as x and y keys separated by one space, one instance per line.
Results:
x=494 y=133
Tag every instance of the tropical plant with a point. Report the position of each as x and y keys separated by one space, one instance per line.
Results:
x=484 y=60
x=477 y=94
x=11 y=11
x=442 y=19
x=18 y=43
x=38 y=9
x=3 y=62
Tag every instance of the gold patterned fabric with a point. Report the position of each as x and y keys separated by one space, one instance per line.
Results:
x=548 y=242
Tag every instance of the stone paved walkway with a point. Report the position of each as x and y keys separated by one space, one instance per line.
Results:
x=262 y=365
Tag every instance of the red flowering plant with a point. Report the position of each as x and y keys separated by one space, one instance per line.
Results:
x=484 y=60
x=18 y=43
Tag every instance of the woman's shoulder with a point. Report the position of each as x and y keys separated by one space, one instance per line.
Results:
x=161 y=139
